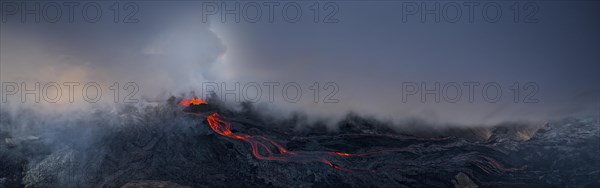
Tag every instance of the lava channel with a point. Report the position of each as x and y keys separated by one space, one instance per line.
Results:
x=223 y=128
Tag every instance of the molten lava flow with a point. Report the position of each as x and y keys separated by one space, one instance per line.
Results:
x=224 y=128
x=258 y=143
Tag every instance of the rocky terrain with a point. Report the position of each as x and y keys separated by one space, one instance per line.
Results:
x=160 y=146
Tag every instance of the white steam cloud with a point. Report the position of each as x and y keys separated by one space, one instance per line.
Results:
x=176 y=54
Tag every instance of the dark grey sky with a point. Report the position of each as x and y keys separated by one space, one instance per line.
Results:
x=369 y=53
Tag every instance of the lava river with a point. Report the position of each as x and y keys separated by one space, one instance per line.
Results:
x=264 y=148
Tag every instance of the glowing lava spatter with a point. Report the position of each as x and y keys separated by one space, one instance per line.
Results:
x=194 y=101
x=258 y=143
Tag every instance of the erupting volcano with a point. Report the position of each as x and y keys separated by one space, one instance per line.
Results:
x=262 y=147
x=196 y=142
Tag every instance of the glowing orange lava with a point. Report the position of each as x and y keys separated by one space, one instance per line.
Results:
x=194 y=101
x=258 y=143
